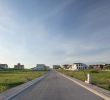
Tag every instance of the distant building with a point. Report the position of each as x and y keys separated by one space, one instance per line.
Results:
x=3 y=66
x=66 y=66
x=98 y=66
x=40 y=67
x=107 y=66
x=56 y=66
x=19 y=66
x=78 y=66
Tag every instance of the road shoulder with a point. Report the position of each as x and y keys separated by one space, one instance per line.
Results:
x=105 y=94
x=7 y=95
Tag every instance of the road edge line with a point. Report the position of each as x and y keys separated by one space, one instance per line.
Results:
x=91 y=90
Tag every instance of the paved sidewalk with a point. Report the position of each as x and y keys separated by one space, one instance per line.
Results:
x=96 y=90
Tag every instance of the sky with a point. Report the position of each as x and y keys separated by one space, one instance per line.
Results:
x=54 y=32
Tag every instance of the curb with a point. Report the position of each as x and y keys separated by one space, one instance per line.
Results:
x=105 y=94
x=9 y=94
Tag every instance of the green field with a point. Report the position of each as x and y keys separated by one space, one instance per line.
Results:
x=12 y=78
x=99 y=78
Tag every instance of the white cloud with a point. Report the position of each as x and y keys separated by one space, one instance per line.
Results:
x=58 y=9
x=32 y=42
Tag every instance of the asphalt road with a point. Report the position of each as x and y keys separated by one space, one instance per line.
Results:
x=56 y=87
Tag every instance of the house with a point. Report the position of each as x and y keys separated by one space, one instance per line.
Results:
x=3 y=66
x=56 y=66
x=18 y=66
x=66 y=66
x=78 y=66
x=107 y=66
x=98 y=66
x=40 y=67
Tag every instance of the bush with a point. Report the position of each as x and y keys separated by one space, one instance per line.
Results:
x=94 y=71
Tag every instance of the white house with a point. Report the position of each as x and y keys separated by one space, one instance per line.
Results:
x=78 y=66
x=3 y=66
x=40 y=67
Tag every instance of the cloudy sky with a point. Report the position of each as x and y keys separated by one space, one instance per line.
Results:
x=54 y=31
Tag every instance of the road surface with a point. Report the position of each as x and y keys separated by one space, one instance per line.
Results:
x=56 y=87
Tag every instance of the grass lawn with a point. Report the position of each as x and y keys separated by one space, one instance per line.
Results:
x=99 y=78
x=12 y=78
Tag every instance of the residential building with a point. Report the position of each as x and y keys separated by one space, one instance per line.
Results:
x=3 y=66
x=78 y=66
x=40 y=67
x=107 y=66
x=56 y=66
x=66 y=66
x=19 y=66
x=97 y=66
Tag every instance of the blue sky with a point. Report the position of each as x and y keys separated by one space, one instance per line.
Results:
x=54 y=31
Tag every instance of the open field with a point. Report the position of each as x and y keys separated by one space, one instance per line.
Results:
x=12 y=78
x=99 y=78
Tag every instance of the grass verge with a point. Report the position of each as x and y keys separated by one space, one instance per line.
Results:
x=99 y=78
x=12 y=78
